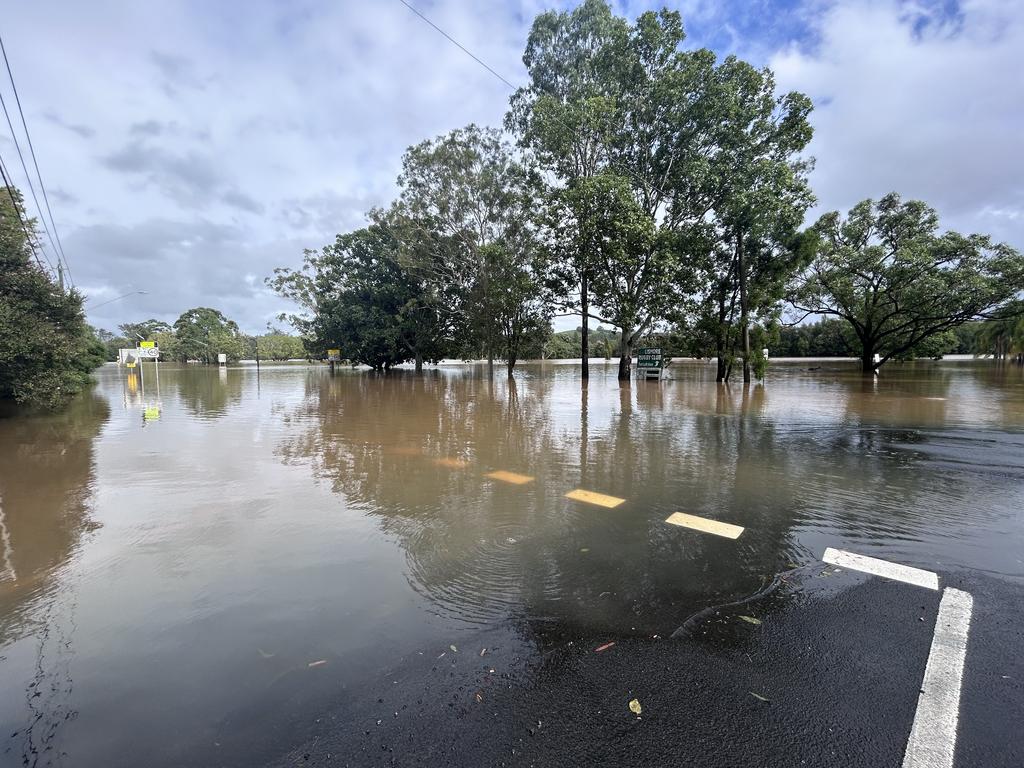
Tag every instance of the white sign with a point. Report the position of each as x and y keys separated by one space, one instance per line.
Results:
x=222 y=358
x=149 y=353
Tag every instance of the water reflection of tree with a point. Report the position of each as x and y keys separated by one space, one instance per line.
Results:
x=46 y=479
x=483 y=550
x=413 y=452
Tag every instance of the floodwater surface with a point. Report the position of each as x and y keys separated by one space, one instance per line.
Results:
x=192 y=576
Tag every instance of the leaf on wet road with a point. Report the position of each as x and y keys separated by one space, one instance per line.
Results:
x=759 y=697
x=319 y=663
x=604 y=647
x=750 y=620
x=634 y=707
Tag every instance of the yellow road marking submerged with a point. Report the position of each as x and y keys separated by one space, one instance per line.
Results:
x=509 y=477
x=590 y=497
x=705 y=525
x=452 y=463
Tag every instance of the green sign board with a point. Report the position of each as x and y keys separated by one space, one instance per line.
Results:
x=648 y=357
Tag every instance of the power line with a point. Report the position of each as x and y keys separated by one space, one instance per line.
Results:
x=21 y=219
x=455 y=42
x=482 y=63
x=28 y=178
x=53 y=226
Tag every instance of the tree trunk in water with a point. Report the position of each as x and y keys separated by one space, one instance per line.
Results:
x=720 y=337
x=419 y=363
x=585 y=335
x=744 y=320
x=511 y=365
x=625 y=355
x=490 y=364
x=867 y=360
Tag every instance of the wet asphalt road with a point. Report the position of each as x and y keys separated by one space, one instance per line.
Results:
x=839 y=656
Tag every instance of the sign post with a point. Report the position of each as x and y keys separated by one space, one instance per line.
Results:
x=148 y=350
x=333 y=356
x=649 y=363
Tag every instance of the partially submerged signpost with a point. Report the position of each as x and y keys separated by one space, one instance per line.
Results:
x=133 y=358
x=649 y=363
x=333 y=356
x=148 y=350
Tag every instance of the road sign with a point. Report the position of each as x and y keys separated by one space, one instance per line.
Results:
x=147 y=344
x=648 y=357
x=150 y=353
x=334 y=355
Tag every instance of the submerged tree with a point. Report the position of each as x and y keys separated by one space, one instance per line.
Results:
x=888 y=272
x=145 y=330
x=755 y=189
x=1002 y=336
x=639 y=268
x=467 y=204
x=358 y=297
x=203 y=333
x=565 y=117
x=46 y=348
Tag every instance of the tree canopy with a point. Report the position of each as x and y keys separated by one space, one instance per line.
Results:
x=203 y=333
x=888 y=272
x=654 y=188
x=46 y=348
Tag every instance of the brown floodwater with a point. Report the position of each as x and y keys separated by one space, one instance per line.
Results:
x=214 y=562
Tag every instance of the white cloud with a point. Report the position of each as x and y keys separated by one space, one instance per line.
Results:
x=194 y=144
x=926 y=104
x=189 y=146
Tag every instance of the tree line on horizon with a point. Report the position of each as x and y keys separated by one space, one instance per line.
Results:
x=653 y=189
x=199 y=335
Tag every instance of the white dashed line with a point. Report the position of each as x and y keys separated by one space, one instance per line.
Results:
x=933 y=736
x=882 y=568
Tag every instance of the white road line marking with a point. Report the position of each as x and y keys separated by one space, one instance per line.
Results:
x=882 y=568
x=932 y=740
x=705 y=525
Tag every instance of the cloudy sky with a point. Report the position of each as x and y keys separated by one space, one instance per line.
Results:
x=191 y=147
